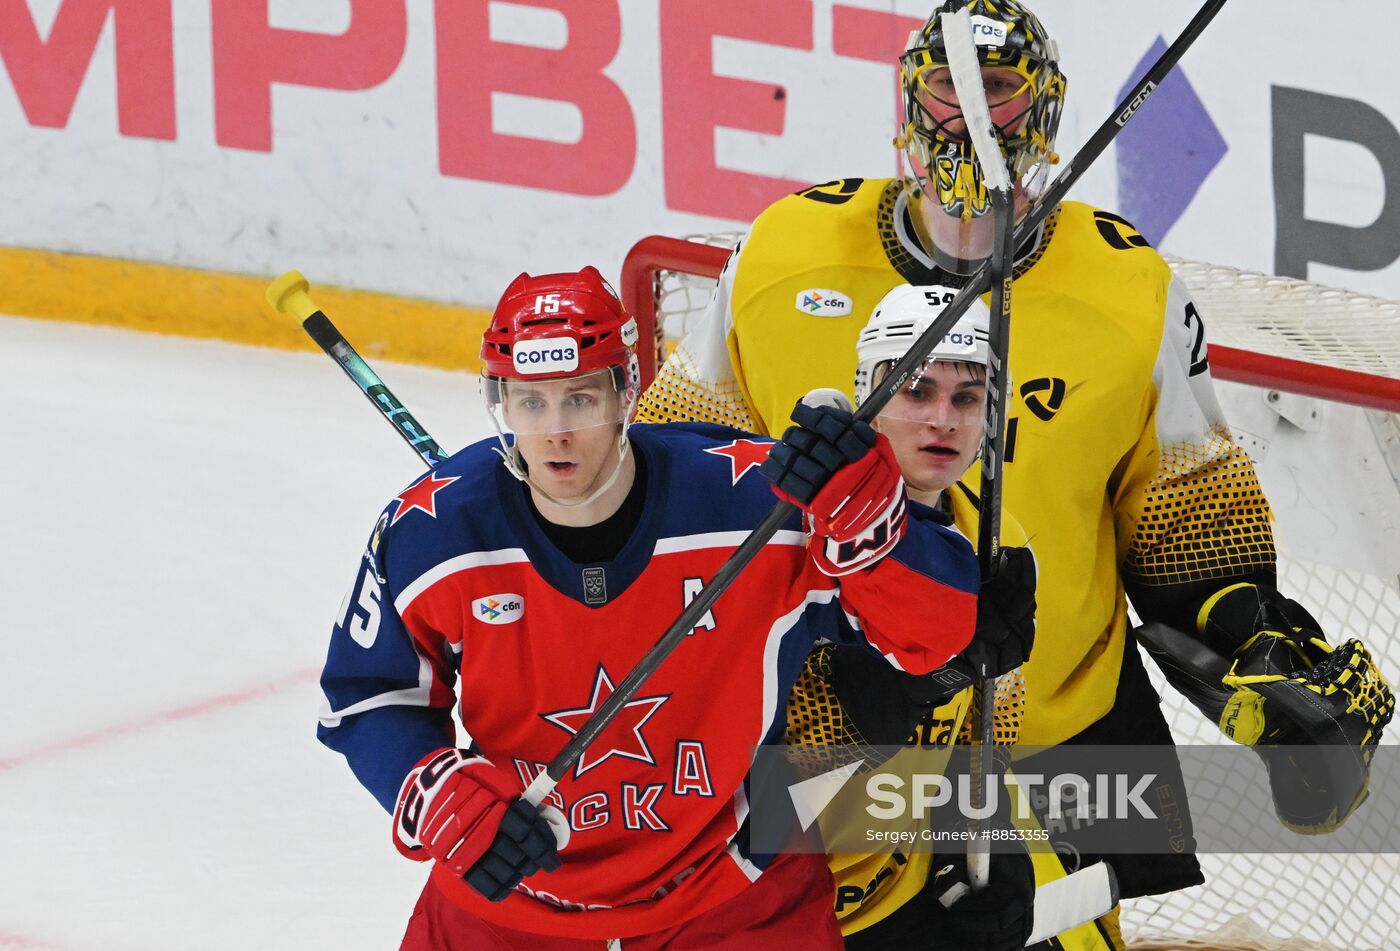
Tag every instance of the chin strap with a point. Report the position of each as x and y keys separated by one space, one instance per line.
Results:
x=511 y=457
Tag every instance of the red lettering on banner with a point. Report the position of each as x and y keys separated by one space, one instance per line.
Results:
x=695 y=101
x=250 y=55
x=870 y=34
x=48 y=74
x=471 y=66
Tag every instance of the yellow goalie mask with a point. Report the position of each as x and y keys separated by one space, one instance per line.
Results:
x=1025 y=94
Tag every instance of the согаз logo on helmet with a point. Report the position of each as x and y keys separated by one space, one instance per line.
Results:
x=546 y=355
x=988 y=32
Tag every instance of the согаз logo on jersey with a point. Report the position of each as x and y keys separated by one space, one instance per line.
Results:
x=823 y=302
x=499 y=608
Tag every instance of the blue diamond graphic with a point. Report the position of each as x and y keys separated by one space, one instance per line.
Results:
x=1166 y=153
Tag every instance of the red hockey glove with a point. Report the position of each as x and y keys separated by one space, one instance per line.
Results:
x=465 y=812
x=844 y=476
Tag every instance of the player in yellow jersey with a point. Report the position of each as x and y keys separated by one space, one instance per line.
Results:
x=934 y=424
x=1119 y=463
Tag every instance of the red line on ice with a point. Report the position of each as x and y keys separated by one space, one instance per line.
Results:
x=199 y=708
x=21 y=943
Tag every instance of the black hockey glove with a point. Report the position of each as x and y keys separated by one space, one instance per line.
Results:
x=524 y=844
x=884 y=706
x=824 y=440
x=997 y=918
x=1005 y=618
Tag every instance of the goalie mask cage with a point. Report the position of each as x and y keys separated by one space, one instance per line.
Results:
x=1309 y=377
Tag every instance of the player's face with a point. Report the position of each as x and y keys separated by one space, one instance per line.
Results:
x=566 y=431
x=1008 y=98
x=935 y=423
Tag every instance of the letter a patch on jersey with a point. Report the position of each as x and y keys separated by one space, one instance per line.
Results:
x=743 y=455
x=420 y=495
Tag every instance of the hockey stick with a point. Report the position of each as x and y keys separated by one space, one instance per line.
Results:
x=899 y=374
x=289 y=295
x=966 y=72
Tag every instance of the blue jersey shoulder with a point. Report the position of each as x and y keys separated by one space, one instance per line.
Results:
x=452 y=509
x=711 y=475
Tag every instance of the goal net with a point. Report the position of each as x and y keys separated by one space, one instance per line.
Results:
x=1309 y=377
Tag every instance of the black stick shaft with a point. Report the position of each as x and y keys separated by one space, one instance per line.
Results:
x=998 y=385
x=1002 y=271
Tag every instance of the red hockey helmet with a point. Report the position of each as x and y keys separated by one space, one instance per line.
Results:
x=557 y=325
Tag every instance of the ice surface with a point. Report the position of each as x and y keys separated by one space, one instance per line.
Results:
x=180 y=520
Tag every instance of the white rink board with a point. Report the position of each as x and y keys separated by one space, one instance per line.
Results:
x=355 y=189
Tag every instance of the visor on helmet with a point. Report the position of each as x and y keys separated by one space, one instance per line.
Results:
x=1003 y=85
x=919 y=399
x=526 y=407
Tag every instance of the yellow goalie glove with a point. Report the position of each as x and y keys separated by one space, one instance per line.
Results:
x=1313 y=712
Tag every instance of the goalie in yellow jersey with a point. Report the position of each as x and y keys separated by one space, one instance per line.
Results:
x=1118 y=464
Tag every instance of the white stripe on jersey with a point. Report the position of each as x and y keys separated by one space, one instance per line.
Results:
x=750 y=870
x=741 y=812
x=476 y=559
x=776 y=633
x=408 y=697
x=668 y=546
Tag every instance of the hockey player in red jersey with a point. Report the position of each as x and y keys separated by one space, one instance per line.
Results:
x=524 y=577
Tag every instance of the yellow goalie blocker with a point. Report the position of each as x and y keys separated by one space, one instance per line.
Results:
x=1259 y=667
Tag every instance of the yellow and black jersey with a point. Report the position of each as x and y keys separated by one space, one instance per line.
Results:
x=1118 y=463
x=872 y=887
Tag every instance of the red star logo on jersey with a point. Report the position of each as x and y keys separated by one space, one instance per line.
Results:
x=743 y=455
x=420 y=495
x=622 y=737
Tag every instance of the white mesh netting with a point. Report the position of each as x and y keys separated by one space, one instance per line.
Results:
x=1286 y=902
x=1284 y=317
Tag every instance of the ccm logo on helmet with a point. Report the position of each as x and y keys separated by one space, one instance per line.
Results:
x=546 y=355
x=988 y=32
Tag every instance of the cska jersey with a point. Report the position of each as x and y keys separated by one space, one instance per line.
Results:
x=1118 y=461
x=462 y=599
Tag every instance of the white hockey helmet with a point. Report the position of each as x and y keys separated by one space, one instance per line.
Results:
x=902 y=316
